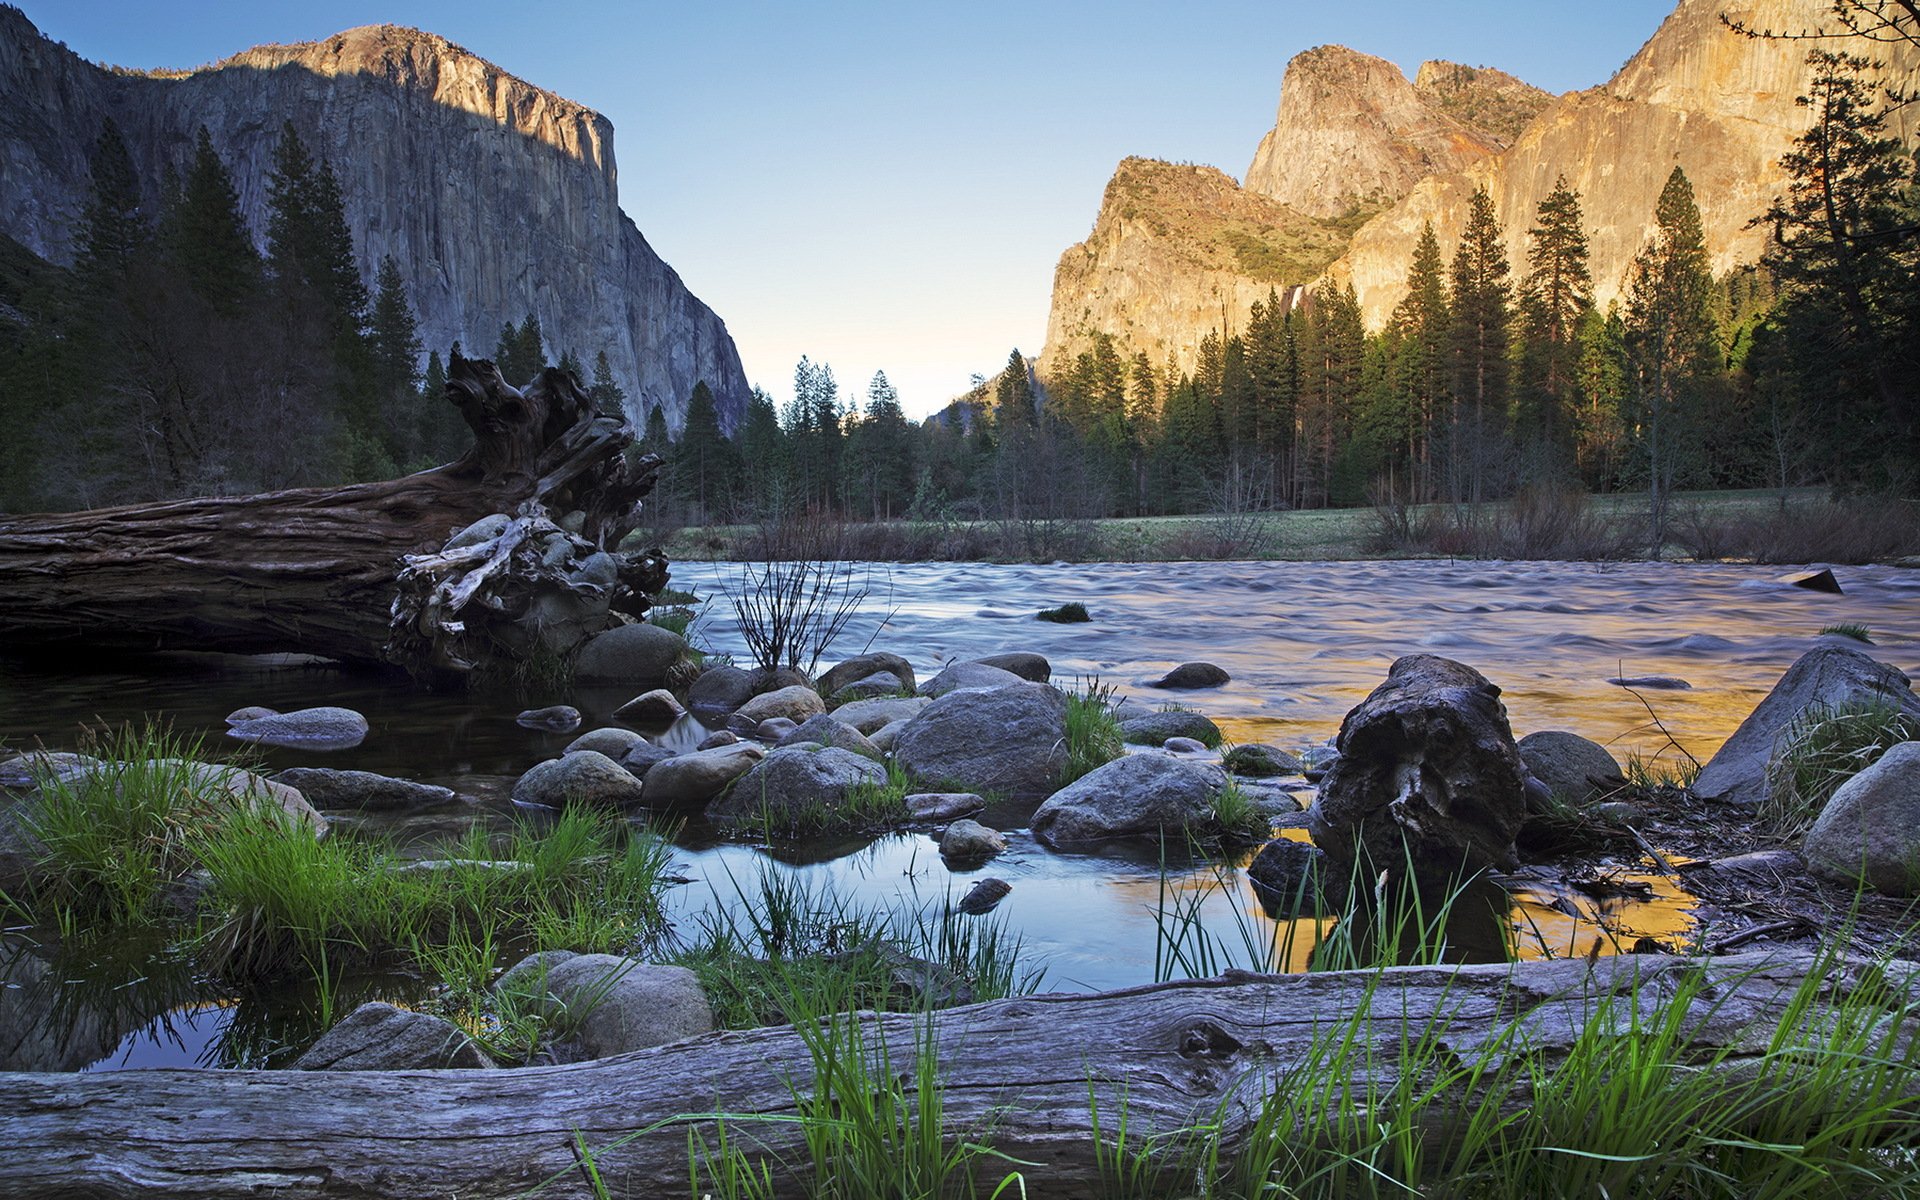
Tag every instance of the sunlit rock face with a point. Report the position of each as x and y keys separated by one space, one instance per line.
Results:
x=496 y=198
x=1699 y=96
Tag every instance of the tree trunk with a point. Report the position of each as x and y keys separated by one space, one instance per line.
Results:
x=362 y=573
x=1017 y=1074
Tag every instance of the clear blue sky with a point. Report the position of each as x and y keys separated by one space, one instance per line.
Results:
x=888 y=186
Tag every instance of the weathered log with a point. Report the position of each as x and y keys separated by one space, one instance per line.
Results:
x=1019 y=1072
x=325 y=570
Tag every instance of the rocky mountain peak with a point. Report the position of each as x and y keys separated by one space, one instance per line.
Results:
x=1492 y=103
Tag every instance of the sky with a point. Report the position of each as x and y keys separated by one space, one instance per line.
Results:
x=887 y=186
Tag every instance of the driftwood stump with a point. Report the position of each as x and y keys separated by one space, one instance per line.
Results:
x=363 y=573
x=1019 y=1073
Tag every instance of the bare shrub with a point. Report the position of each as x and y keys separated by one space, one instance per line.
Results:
x=1858 y=530
x=797 y=601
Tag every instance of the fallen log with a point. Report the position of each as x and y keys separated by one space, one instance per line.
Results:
x=1018 y=1072
x=362 y=573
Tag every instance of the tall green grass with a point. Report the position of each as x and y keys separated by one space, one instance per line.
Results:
x=1822 y=749
x=1092 y=734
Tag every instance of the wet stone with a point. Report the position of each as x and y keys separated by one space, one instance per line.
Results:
x=557 y=718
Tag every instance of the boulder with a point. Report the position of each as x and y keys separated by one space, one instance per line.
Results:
x=1010 y=740
x=1571 y=767
x=823 y=730
x=719 y=690
x=639 y=654
x=1139 y=795
x=795 y=702
x=967 y=675
x=869 y=715
x=1192 y=675
x=607 y=740
x=984 y=896
x=528 y=977
x=1257 y=760
x=883 y=738
x=655 y=708
x=776 y=729
x=380 y=1037
x=1288 y=877
x=1154 y=728
x=326 y=788
x=555 y=718
x=1869 y=832
x=1827 y=676
x=1184 y=745
x=584 y=777
x=323 y=728
x=252 y=712
x=696 y=778
x=1428 y=770
x=29 y=769
x=1814 y=581
x=772 y=679
x=794 y=782
x=881 y=683
x=613 y=1005
x=717 y=739
x=641 y=757
x=970 y=841
x=864 y=666
x=1034 y=668
x=943 y=806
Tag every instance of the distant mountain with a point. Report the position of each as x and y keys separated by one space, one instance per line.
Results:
x=495 y=198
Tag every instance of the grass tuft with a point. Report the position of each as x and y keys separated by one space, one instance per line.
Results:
x=1821 y=750
x=1093 y=735
x=1849 y=629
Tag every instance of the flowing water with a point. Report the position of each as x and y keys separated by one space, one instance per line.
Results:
x=1303 y=642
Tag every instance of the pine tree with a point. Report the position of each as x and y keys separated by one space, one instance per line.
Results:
x=703 y=459
x=1425 y=324
x=1013 y=395
x=393 y=343
x=1482 y=341
x=1558 y=290
x=521 y=353
x=113 y=226
x=765 y=458
x=205 y=236
x=606 y=395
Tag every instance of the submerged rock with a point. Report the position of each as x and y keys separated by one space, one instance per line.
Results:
x=323 y=728
x=1288 y=877
x=984 y=897
x=1193 y=675
x=971 y=841
x=556 y=718
x=1815 y=581
x=327 y=788
x=1257 y=760
x=381 y=1037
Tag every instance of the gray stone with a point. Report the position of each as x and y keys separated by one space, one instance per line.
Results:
x=967 y=675
x=613 y=1005
x=717 y=739
x=1154 y=728
x=970 y=841
x=324 y=728
x=1572 y=768
x=1824 y=677
x=775 y=729
x=796 y=702
x=1257 y=760
x=1138 y=795
x=766 y=680
x=380 y=1037
x=327 y=788
x=600 y=569
x=696 y=778
x=555 y=718
x=1428 y=770
x=651 y=709
x=252 y=712
x=583 y=777
x=719 y=690
x=1010 y=740
x=436 y=866
x=984 y=896
x=29 y=769
x=824 y=730
x=792 y=781
x=639 y=654
x=885 y=737
x=1869 y=831
x=641 y=757
x=883 y=683
x=1656 y=683
x=607 y=740
x=1034 y=668
x=864 y=666
x=869 y=715
x=1288 y=876
x=528 y=977
x=1184 y=745
x=1193 y=675
x=943 y=806
x=1619 y=812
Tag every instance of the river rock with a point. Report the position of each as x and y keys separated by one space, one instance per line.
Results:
x=379 y=1037
x=1572 y=768
x=1288 y=876
x=882 y=683
x=527 y=978
x=655 y=708
x=1184 y=745
x=1034 y=668
x=607 y=740
x=1154 y=728
x=775 y=729
x=720 y=690
x=886 y=736
x=642 y=756
x=1654 y=683
x=864 y=666
x=583 y=777
x=1010 y=740
x=252 y=712
x=1193 y=675
x=984 y=896
x=1257 y=760
x=1870 y=830
x=555 y=718
x=793 y=781
x=970 y=841
x=639 y=654
x=327 y=788
x=614 y=1005
x=1827 y=676
x=1428 y=769
x=324 y=728
x=30 y=769
x=688 y=779
x=967 y=675
x=717 y=739
x=796 y=702
x=943 y=806
x=1814 y=581
x=869 y=715
x=1138 y=795
x=823 y=730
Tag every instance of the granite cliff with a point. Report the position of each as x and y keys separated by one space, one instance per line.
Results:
x=495 y=197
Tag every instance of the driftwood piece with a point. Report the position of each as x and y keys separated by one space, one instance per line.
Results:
x=320 y=570
x=1020 y=1069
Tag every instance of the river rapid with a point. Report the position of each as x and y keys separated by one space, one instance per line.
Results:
x=1303 y=642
